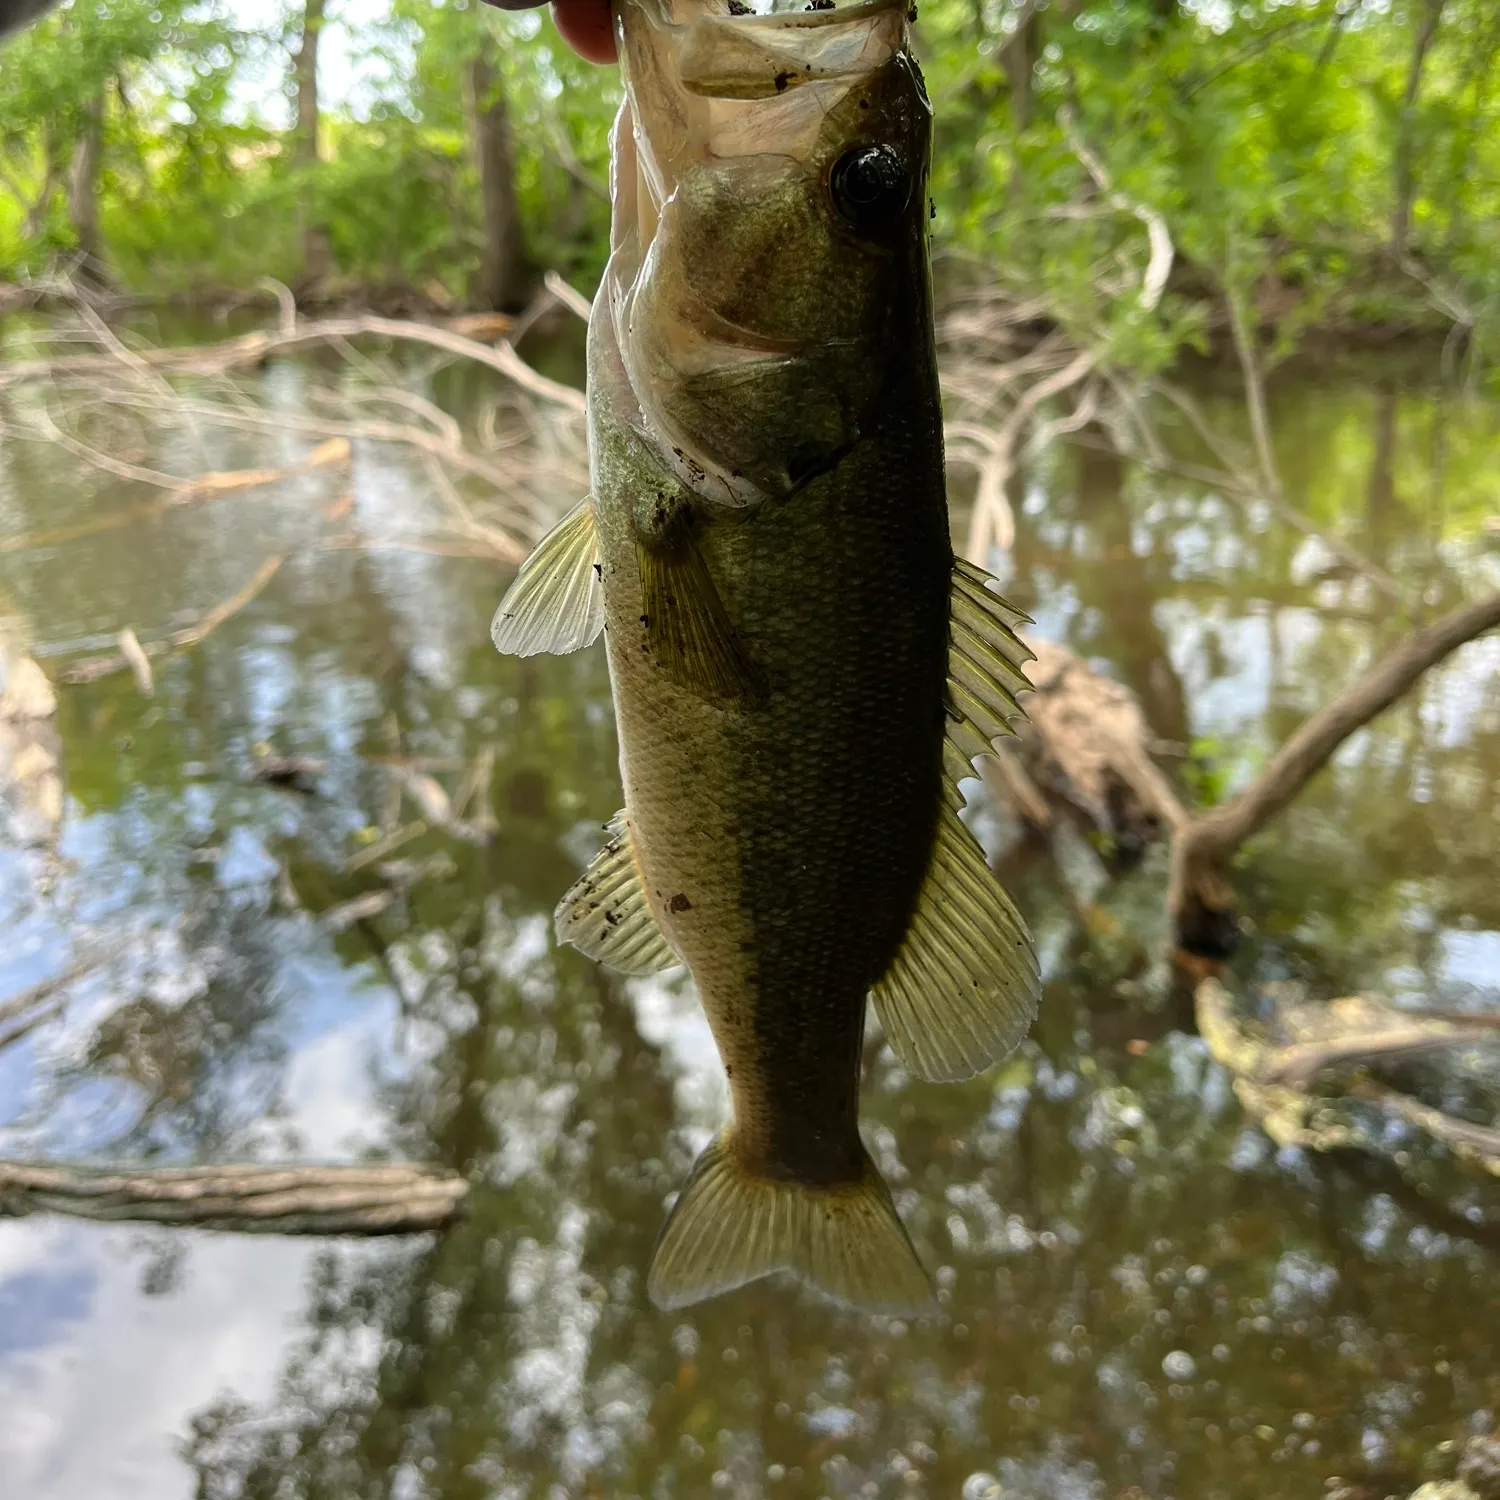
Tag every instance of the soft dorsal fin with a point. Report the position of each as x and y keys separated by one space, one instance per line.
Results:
x=964 y=987
x=556 y=604
x=605 y=913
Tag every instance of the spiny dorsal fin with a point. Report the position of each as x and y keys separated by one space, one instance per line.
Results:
x=688 y=630
x=985 y=658
x=731 y=1226
x=964 y=987
x=605 y=913
x=556 y=604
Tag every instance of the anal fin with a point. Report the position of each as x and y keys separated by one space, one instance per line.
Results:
x=606 y=915
x=556 y=604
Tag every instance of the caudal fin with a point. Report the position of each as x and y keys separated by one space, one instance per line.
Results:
x=730 y=1227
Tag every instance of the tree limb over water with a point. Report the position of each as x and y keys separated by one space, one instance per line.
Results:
x=386 y=1198
x=520 y=468
x=1200 y=899
x=1088 y=740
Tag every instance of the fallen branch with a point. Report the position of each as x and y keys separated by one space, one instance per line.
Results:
x=1274 y=1073
x=92 y=668
x=1087 y=741
x=1200 y=899
x=311 y=1200
x=255 y=348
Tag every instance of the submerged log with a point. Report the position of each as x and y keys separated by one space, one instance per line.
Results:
x=1277 y=1071
x=377 y=1199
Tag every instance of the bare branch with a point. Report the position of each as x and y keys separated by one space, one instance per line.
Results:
x=1223 y=830
x=1200 y=899
x=252 y=348
x=1159 y=266
x=340 y=1200
x=569 y=297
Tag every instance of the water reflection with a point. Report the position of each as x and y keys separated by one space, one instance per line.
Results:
x=1140 y=1294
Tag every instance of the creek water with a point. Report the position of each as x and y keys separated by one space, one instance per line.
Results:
x=1141 y=1296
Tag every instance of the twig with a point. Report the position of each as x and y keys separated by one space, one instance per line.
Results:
x=39 y=994
x=1255 y=395
x=92 y=668
x=357 y=909
x=286 y=303
x=192 y=635
x=1159 y=265
x=568 y=296
x=373 y=853
x=24 y=1027
x=312 y=1200
x=253 y=348
x=138 y=662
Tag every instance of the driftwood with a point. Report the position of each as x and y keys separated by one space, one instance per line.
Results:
x=349 y=1200
x=1087 y=740
x=1277 y=1071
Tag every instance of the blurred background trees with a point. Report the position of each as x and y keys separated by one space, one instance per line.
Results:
x=1329 y=163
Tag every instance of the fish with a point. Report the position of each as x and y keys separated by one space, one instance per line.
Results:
x=802 y=671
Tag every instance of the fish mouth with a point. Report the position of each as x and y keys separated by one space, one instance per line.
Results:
x=708 y=87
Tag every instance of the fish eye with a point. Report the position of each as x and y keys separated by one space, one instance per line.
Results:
x=870 y=186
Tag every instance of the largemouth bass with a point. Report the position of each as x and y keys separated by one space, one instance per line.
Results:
x=802 y=672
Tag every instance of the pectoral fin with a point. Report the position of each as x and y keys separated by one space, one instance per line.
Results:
x=606 y=915
x=556 y=604
x=688 y=631
x=964 y=987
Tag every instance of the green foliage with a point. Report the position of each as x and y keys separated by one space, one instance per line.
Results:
x=1267 y=135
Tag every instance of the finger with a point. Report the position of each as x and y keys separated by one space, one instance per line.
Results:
x=587 y=26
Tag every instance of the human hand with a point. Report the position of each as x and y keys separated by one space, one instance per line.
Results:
x=585 y=25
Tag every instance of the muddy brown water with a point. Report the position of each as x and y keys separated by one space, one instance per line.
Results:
x=1141 y=1295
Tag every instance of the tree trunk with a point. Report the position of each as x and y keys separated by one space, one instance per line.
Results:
x=1405 y=181
x=505 y=275
x=83 y=187
x=41 y=206
x=305 y=65
x=317 y=258
x=1021 y=53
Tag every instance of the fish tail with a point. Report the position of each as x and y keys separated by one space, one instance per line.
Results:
x=731 y=1226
